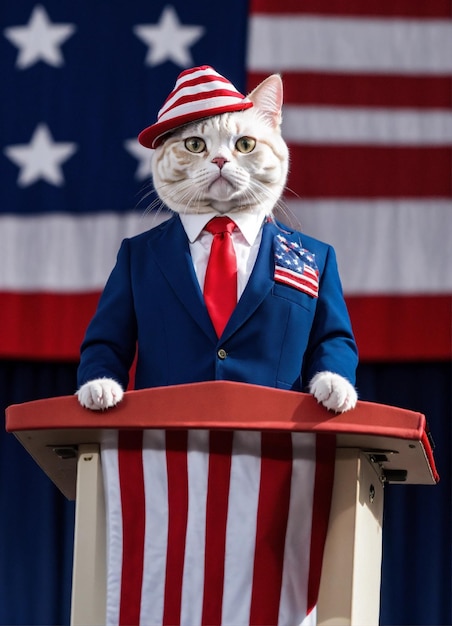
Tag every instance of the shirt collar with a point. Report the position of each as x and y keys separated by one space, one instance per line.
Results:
x=249 y=224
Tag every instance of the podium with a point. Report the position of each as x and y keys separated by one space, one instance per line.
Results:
x=375 y=445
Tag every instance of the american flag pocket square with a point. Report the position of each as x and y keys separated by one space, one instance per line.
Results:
x=295 y=266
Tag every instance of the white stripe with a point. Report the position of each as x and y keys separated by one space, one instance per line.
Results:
x=295 y=580
x=384 y=246
x=156 y=531
x=311 y=619
x=391 y=46
x=206 y=104
x=314 y=273
x=193 y=576
x=192 y=75
x=298 y=284
x=110 y=469
x=207 y=88
x=366 y=126
x=298 y=278
x=241 y=528
x=62 y=252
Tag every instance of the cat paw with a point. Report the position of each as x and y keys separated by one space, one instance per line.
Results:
x=333 y=391
x=100 y=394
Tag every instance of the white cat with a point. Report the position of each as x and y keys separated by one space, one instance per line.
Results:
x=230 y=163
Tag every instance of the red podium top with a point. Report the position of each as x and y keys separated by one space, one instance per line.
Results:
x=395 y=439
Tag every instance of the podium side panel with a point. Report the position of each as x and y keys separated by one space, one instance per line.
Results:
x=89 y=567
x=368 y=547
x=350 y=584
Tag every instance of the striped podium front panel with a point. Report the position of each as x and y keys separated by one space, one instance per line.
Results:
x=215 y=527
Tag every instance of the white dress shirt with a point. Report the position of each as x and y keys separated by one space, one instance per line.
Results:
x=246 y=239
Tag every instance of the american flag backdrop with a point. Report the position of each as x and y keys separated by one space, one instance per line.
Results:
x=367 y=117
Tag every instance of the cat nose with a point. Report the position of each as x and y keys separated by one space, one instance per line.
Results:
x=220 y=161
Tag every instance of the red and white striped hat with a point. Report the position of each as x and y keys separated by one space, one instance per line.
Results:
x=198 y=93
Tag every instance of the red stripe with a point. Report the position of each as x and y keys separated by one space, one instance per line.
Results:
x=131 y=480
x=402 y=327
x=199 y=80
x=363 y=90
x=204 y=95
x=343 y=171
x=206 y=74
x=176 y=459
x=298 y=281
x=323 y=489
x=274 y=495
x=61 y=319
x=216 y=519
x=390 y=8
x=191 y=82
x=396 y=332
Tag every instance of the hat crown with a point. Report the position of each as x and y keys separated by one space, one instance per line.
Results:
x=199 y=92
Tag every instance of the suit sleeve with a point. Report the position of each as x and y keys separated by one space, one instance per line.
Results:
x=331 y=344
x=109 y=345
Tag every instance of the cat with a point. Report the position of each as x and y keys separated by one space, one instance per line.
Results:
x=232 y=163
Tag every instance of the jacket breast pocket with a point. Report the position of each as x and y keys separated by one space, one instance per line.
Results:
x=294 y=295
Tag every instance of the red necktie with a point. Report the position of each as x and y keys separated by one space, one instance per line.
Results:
x=220 y=286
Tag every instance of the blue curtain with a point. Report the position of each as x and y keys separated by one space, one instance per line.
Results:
x=417 y=537
x=37 y=522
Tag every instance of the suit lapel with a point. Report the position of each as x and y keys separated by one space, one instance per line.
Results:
x=259 y=284
x=171 y=252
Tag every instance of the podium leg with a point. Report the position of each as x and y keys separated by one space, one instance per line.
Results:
x=89 y=567
x=351 y=575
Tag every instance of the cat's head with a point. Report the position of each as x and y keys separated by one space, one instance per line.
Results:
x=235 y=161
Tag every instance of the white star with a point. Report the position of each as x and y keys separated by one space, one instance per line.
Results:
x=40 y=40
x=143 y=155
x=169 y=40
x=41 y=158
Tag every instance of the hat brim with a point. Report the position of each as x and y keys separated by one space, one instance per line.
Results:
x=152 y=136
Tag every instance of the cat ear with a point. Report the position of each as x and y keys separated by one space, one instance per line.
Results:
x=268 y=98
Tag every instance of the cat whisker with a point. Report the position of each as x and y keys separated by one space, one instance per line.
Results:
x=184 y=196
x=156 y=206
x=291 y=192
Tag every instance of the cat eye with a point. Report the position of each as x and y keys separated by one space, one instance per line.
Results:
x=195 y=144
x=245 y=144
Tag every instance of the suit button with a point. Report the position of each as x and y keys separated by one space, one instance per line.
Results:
x=222 y=354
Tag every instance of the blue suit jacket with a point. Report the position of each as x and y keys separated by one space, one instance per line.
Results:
x=277 y=336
